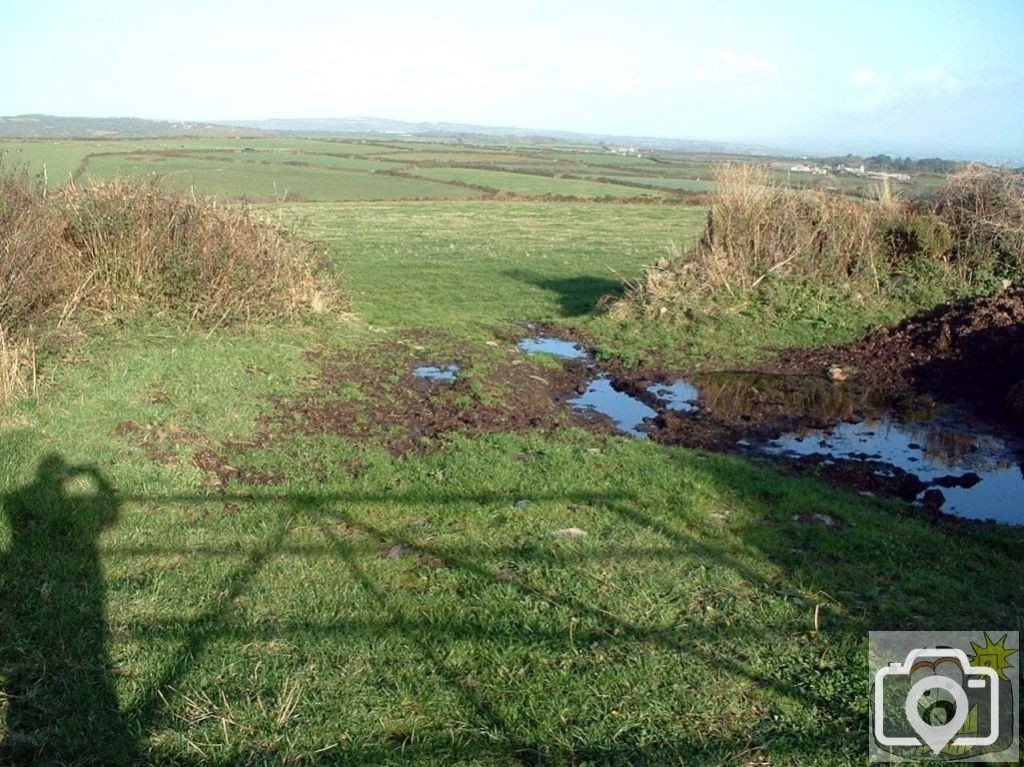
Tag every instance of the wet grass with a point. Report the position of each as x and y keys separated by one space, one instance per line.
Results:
x=369 y=609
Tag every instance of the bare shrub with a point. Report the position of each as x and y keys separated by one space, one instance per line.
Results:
x=757 y=228
x=984 y=209
x=129 y=247
x=760 y=229
x=145 y=248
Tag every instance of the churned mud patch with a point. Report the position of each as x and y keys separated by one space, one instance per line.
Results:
x=411 y=398
x=930 y=409
x=970 y=352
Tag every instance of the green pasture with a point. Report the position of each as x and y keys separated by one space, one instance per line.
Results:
x=230 y=177
x=681 y=184
x=495 y=262
x=221 y=582
x=526 y=184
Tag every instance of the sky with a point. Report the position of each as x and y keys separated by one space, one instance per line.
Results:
x=902 y=76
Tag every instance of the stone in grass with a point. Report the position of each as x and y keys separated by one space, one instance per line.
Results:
x=817 y=518
x=933 y=499
x=569 y=532
x=396 y=552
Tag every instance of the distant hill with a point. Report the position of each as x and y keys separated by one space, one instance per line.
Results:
x=50 y=126
x=376 y=127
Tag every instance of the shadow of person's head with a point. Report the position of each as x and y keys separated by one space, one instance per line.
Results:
x=88 y=505
x=52 y=472
x=61 y=704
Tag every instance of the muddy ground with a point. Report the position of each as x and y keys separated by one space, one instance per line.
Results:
x=971 y=353
x=375 y=396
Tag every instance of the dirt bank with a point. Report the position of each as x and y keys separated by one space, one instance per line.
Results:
x=970 y=352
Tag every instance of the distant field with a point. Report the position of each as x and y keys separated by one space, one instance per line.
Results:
x=467 y=157
x=230 y=178
x=294 y=157
x=61 y=159
x=521 y=183
x=511 y=257
x=680 y=184
x=341 y=170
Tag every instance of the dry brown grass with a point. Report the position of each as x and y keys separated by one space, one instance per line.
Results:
x=760 y=229
x=129 y=247
x=984 y=209
x=17 y=369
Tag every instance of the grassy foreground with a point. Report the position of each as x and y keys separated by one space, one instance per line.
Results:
x=431 y=609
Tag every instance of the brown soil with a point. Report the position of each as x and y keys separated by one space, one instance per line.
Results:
x=373 y=397
x=971 y=352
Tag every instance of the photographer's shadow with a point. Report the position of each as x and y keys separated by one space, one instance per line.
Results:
x=58 y=692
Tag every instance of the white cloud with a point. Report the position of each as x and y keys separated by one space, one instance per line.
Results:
x=728 y=65
x=863 y=76
x=882 y=89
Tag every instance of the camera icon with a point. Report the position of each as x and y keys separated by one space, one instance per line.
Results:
x=928 y=698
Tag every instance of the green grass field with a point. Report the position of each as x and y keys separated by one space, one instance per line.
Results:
x=681 y=184
x=232 y=177
x=227 y=167
x=524 y=184
x=324 y=601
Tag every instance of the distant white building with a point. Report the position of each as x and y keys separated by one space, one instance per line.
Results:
x=804 y=168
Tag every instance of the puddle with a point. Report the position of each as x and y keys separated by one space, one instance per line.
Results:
x=433 y=373
x=940 y=447
x=930 y=450
x=679 y=395
x=626 y=411
x=557 y=347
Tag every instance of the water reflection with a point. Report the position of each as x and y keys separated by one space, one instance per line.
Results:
x=931 y=450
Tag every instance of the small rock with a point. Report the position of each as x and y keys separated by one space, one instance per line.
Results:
x=521 y=504
x=569 y=532
x=493 y=343
x=933 y=499
x=396 y=552
x=966 y=481
x=836 y=374
x=817 y=518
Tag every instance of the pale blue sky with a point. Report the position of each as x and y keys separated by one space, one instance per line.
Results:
x=859 y=75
